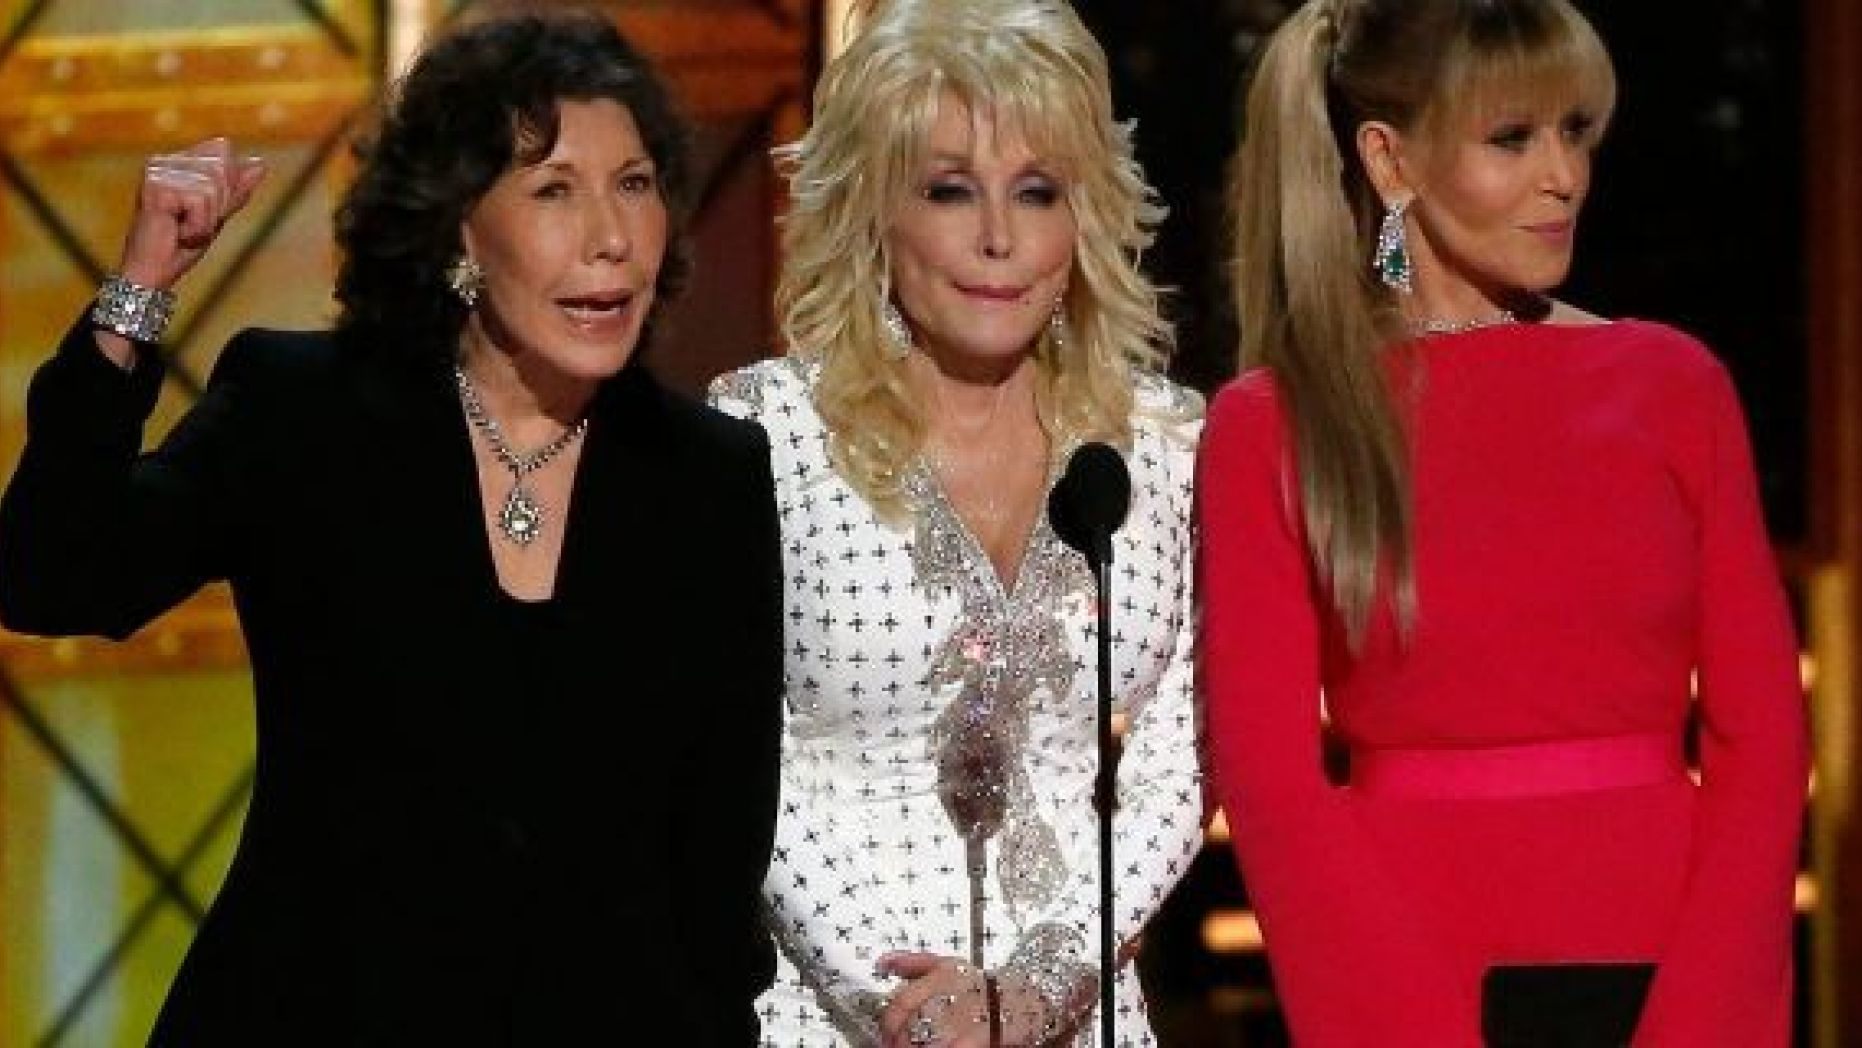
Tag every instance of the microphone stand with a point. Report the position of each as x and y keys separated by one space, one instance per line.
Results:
x=1105 y=791
x=1088 y=504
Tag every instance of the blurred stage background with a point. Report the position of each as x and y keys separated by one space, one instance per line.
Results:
x=1728 y=201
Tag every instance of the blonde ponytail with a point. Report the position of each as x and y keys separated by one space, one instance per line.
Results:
x=1310 y=315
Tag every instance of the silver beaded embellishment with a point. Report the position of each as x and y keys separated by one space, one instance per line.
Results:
x=521 y=517
x=1007 y=645
x=1052 y=959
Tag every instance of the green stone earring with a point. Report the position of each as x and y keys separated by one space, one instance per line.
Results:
x=1391 y=259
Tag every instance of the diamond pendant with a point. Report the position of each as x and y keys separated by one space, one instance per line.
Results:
x=521 y=518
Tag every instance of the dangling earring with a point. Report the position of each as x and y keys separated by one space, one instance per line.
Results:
x=1391 y=259
x=898 y=335
x=1057 y=327
x=466 y=279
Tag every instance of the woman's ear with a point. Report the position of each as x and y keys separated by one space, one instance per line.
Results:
x=1380 y=149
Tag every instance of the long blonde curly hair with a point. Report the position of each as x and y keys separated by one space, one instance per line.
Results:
x=1033 y=67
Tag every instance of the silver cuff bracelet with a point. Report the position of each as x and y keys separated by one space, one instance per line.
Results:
x=131 y=310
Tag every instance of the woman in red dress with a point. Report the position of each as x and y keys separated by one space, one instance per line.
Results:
x=1514 y=546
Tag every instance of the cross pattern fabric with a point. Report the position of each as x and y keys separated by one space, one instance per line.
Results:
x=893 y=632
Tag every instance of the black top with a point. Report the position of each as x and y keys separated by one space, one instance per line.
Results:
x=476 y=821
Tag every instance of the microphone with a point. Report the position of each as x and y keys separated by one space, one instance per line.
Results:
x=1091 y=500
x=1087 y=505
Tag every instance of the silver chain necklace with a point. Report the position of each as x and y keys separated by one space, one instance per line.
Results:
x=521 y=517
x=1421 y=328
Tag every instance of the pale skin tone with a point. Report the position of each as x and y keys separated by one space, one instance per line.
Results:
x=981 y=254
x=1493 y=210
x=570 y=247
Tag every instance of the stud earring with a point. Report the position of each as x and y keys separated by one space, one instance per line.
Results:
x=898 y=335
x=466 y=279
x=1391 y=259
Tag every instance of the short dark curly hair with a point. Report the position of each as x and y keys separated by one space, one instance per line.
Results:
x=479 y=100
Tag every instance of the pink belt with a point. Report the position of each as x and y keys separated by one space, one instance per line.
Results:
x=1529 y=770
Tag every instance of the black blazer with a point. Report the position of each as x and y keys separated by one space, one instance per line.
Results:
x=476 y=821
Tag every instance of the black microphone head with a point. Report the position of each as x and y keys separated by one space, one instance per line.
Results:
x=1091 y=500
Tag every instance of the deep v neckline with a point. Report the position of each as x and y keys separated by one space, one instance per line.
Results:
x=1005 y=589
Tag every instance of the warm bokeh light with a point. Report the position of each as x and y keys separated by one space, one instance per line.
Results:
x=1232 y=931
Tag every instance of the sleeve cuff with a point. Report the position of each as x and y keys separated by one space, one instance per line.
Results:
x=1052 y=959
x=80 y=373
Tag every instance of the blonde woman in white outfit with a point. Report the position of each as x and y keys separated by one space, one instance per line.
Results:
x=963 y=307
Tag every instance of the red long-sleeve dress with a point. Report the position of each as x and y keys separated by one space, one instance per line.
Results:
x=1587 y=536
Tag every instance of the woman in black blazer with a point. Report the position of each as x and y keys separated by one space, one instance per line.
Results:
x=512 y=607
